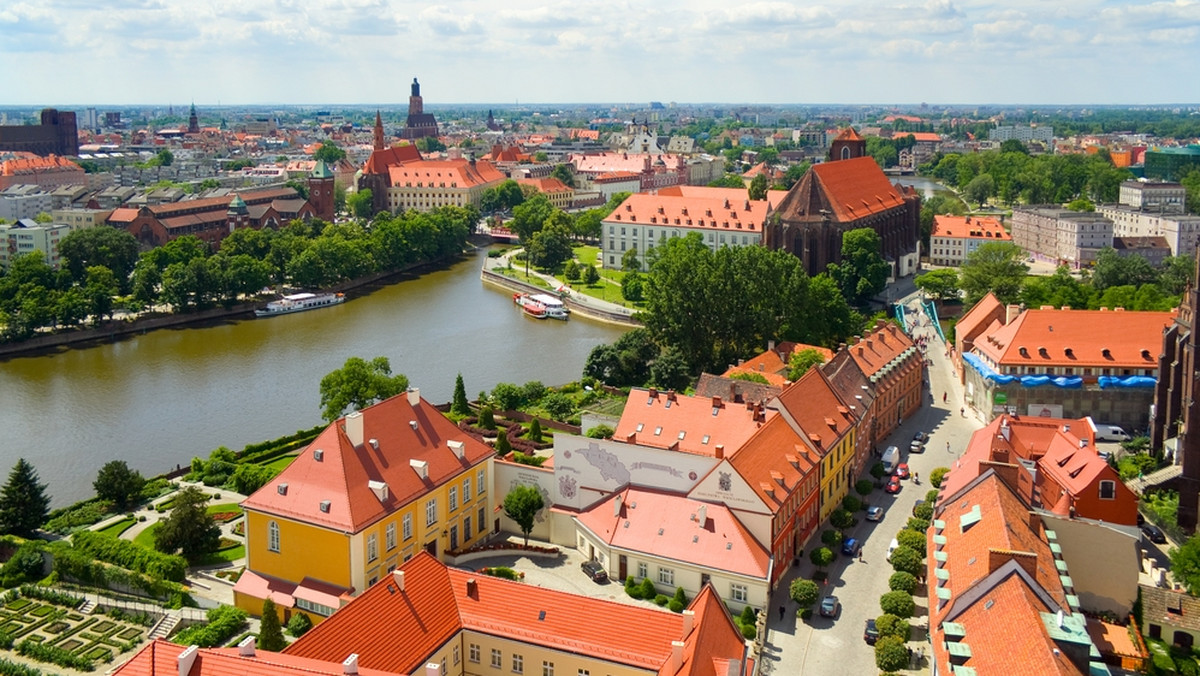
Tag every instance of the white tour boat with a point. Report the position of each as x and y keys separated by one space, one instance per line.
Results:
x=299 y=302
x=541 y=305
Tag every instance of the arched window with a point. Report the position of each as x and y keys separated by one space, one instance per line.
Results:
x=845 y=152
x=272 y=536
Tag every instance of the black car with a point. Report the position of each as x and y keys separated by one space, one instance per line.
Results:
x=594 y=570
x=921 y=437
x=1154 y=534
x=870 y=633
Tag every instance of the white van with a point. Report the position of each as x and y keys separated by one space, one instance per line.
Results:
x=1111 y=433
x=891 y=458
x=891 y=548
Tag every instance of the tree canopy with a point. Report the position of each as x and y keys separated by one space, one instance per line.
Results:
x=862 y=273
x=801 y=361
x=941 y=284
x=998 y=267
x=522 y=505
x=330 y=152
x=119 y=484
x=359 y=384
x=24 y=503
x=188 y=529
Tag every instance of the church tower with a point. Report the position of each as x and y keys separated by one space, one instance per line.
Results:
x=378 y=131
x=416 y=106
x=847 y=145
x=193 y=121
x=320 y=191
x=238 y=214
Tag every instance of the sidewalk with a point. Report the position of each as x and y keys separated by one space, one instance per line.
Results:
x=502 y=263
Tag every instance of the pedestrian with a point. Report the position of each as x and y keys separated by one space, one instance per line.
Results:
x=962 y=411
x=860 y=556
x=947 y=446
x=945 y=397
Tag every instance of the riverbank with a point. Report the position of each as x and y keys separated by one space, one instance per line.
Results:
x=587 y=306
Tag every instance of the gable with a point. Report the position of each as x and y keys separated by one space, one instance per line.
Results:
x=724 y=485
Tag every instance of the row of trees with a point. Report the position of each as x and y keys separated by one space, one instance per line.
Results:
x=1012 y=175
x=1114 y=281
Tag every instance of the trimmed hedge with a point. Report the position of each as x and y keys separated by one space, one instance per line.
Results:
x=224 y=622
x=127 y=554
x=10 y=668
x=79 y=566
x=54 y=655
x=50 y=596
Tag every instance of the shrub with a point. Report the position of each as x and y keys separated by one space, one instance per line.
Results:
x=67 y=519
x=937 y=476
x=9 y=668
x=864 y=487
x=749 y=616
x=224 y=622
x=662 y=599
x=53 y=655
x=749 y=631
x=128 y=554
x=906 y=560
x=25 y=565
x=878 y=470
x=558 y=405
x=890 y=625
x=533 y=391
x=270 y=634
x=923 y=511
x=821 y=557
x=299 y=624
x=831 y=538
x=804 y=592
x=931 y=496
x=632 y=588
x=487 y=418
x=902 y=581
x=49 y=596
x=501 y=571
x=601 y=432
x=913 y=540
x=675 y=606
x=898 y=603
x=890 y=654
x=648 y=590
x=535 y=431
x=918 y=525
x=851 y=503
x=841 y=518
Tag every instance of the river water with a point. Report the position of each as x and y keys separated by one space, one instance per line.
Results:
x=158 y=399
x=926 y=186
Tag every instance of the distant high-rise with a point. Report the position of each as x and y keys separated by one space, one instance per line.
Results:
x=56 y=135
x=419 y=124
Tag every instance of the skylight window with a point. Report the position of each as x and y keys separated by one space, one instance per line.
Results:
x=640 y=427
x=704 y=440
x=715 y=409
x=658 y=430
x=681 y=433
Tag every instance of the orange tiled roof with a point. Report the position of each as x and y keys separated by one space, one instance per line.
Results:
x=921 y=136
x=775 y=454
x=381 y=160
x=665 y=525
x=879 y=347
x=601 y=163
x=973 y=227
x=851 y=189
x=1078 y=338
x=691 y=212
x=612 y=176
x=659 y=419
x=768 y=364
x=546 y=185
x=774 y=197
x=340 y=478
x=161 y=658
x=124 y=215
x=22 y=163
x=983 y=310
x=444 y=173
x=848 y=134
x=814 y=408
x=437 y=602
x=1009 y=439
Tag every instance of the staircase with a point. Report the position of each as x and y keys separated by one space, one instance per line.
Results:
x=164 y=627
x=87 y=607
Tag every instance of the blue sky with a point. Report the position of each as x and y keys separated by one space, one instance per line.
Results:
x=467 y=51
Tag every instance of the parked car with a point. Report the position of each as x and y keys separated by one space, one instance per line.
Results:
x=921 y=437
x=874 y=513
x=870 y=633
x=916 y=447
x=902 y=470
x=851 y=547
x=1154 y=534
x=830 y=606
x=893 y=486
x=891 y=549
x=594 y=570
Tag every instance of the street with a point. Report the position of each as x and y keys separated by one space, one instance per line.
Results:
x=835 y=645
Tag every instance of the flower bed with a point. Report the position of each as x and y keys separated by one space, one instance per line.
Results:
x=499 y=548
x=225 y=517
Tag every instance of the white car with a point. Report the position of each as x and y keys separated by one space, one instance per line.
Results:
x=874 y=513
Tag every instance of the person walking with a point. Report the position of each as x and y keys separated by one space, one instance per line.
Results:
x=947 y=446
x=945 y=397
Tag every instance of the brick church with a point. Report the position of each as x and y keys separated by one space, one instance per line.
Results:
x=848 y=192
x=419 y=123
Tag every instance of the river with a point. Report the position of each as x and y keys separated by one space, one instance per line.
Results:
x=926 y=186
x=158 y=399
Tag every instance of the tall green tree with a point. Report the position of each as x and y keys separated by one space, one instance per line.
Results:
x=330 y=152
x=758 y=187
x=980 y=188
x=1113 y=269
x=459 y=405
x=189 y=529
x=359 y=384
x=24 y=503
x=801 y=361
x=522 y=505
x=998 y=267
x=361 y=203
x=862 y=273
x=941 y=284
x=564 y=173
x=270 y=633
x=119 y=484
x=530 y=216
x=114 y=248
x=550 y=246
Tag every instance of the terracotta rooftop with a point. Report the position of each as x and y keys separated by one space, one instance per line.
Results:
x=848 y=134
x=774 y=461
x=162 y=658
x=691 y=212
x=664 y=525
x=774 y=197
x=1078 y=338
x=735 y=390
x=330 y=484
x=444 y=173
x=696 y=425
x=381 y=160
x=546 y=185
x=815 y=410
x=22 y=163
x=880 y=347
x=849 y=190
x=972 y=227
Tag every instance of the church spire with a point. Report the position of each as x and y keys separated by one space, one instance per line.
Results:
x=378 y=131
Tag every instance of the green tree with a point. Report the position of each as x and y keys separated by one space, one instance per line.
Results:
x=941 y=284
x=165 y=158
x=804 y=592
x=530 y=216
x=503 y=447
x=841 y=519
x=758 y=187
x=670 y=370
x=330 y=152
x=1113 y=269
x=113 y=248
x=361 y=203
x=571 y=271
x=460 y=405
x=247 y=478
x=633 y=287
x=630 y=261
x=270 y=633
x=521 y=505
x=550 y=246
x=1013 y=145
x=912 y=539
x=898 y=603
x=902 y=581
x=1176 y=272
x=535 y=431
x=907 y=560
x=980 y=188
x=119 y=484
x=890 y=625
x=831 y=537
x=359 y=383
x=299 y=624
x=564 y=173
x=99 y=287
x=937 y=476
x=890 y=654
x=487 y=417
x=24 y=503
x=1185 y=563
x=801 y=361
x=188 y=529
x=589 y=275
x=821 y=557
x=996 y=267
x=862 y=272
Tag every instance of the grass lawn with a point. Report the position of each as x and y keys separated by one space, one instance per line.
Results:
x=224 y=507
x=279 y=464
x=228 y=555
x=117 y=528
x=146 y=537
x=587 y=255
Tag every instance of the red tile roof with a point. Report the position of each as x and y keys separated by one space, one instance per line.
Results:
x=381 y=160
x=342 y=474
x=920 y=136
x=546 y=185
x=691 y=212
x=437 y=602
x=850 y=190
x=705 y=423
x=816 y=409
x=1078 y=338
x=775 y=455
x=444 y=173
x=979 y=316
x=973 y=227
x=880 y=347
x=161 y=658
x=124 y=215
x=774 y=197
x=22 y=163
x=848 y=134
x=664 y=525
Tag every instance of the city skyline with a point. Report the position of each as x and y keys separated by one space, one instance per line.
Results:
x=464 y=51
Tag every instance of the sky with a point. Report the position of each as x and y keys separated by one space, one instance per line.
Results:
x=232 y=52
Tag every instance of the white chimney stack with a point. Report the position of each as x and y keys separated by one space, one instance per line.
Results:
x=186 y=659
x=702 y=516
x=420 y=467
x=414 y=396
x=689 y=622
x=398 y=577
x=433 y=669
x=246 y=647
x=458 y=448
x=379 y=488
x=354 y=428
x=617 y=506
x=350 y=664
x=677 y=656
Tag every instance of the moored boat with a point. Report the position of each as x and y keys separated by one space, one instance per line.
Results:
x=542 y=305
x=299 y=302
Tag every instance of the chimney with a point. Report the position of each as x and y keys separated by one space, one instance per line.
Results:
x=414 y=397
x=771 y=345
x=354 y=428
x=860 y=349
x=379 y=488
x=457 y=446
x=1011 y=312
x=631 y=438
x=472 y=588
x=716 y=402
x=617 y=506
x=689 y=622
x=1006 y=431
x=433 y=669
x=883 y=337
x=720 y=451
x=350 y=664
x=676 y=656
x=246 y=647
x=670 y=395
x=653 y=393
x=398 y=578
x=186 y=659
x=420 y=467
x=702 y=515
